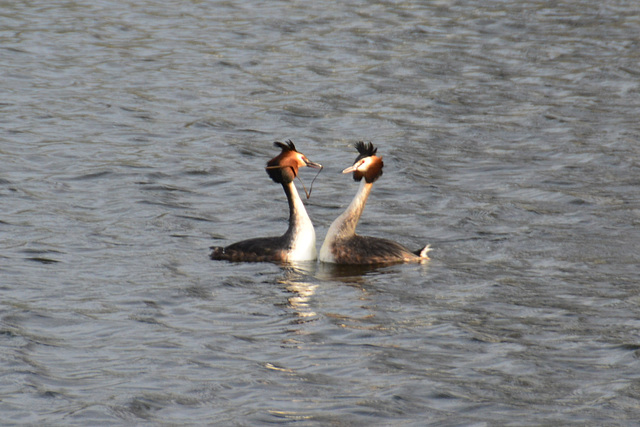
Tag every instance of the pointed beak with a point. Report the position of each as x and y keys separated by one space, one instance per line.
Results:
x=314 y=165
x=351 y=168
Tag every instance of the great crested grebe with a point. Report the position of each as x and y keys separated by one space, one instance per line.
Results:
x=299 y=242
x=342 y=245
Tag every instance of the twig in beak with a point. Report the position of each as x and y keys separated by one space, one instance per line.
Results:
x=308 y=193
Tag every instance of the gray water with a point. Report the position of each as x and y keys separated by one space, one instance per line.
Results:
x=133 y=136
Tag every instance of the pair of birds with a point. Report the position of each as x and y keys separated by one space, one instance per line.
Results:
x=341 y=245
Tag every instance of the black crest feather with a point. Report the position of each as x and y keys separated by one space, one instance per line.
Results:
x=278 y=173
x=286 y=146
x=365 y=149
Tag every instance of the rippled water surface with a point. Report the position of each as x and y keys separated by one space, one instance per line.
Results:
x=133 y=136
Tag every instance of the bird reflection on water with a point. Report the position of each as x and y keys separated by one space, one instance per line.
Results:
x=301 y=280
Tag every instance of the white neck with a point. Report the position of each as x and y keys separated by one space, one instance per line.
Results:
x=345 y=225
x=303 y=235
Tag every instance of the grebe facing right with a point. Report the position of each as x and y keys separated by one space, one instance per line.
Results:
x=342 y=245
x=299 y=242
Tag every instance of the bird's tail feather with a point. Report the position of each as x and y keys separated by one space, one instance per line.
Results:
x=423 y=253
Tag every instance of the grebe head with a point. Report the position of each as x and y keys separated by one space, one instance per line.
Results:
x=367 y=164
x=284 y=168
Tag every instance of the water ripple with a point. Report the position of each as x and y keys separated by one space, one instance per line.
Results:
x=135 y=134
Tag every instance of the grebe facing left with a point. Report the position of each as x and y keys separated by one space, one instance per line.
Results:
x=342 y=245
x=299 y=242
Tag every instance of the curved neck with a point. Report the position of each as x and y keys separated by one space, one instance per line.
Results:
x=298 y=217
x=345 y=224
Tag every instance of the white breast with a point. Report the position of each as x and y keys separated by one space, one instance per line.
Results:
x=325 y=253
x=303 y=247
